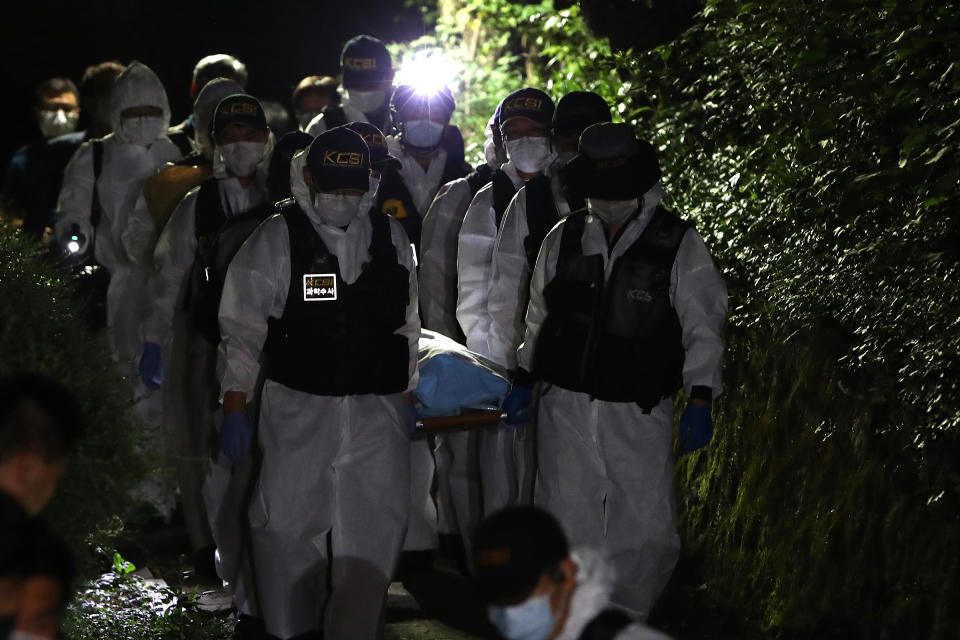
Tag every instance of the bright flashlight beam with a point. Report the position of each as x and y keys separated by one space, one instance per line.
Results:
x=427 y=70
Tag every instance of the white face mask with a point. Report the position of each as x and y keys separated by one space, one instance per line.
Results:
x=613 y=211
x=530 y=155
x=422 y=133
x=143 y=130
x=57 y=123
x=241 y=158
x=532 y=619
x=304 y=118
x=367 y=101
x=337 y=209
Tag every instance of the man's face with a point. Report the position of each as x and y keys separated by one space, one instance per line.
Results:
x=521 y=127
x=313 y=102
x=40 y=478
x=558 y=587
x=66 y=102
x=240 y=132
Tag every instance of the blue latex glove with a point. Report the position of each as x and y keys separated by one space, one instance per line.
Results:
x=696 y=427
x=517 y=405
x=411 y=418
x=235 y=436
x=151 y=366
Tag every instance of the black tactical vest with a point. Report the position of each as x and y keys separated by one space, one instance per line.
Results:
x=337 y=339
x=394 y=199
x=218 y=239
x=620 y=340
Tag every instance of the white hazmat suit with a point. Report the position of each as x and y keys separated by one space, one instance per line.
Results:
x=606 y=468
x=350 y=113
x=333 y=493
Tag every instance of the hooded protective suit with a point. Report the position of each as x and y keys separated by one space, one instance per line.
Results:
x=606 y=468
x=333 y=492
x=125 y=165
x=194 y=384
x=595 y=583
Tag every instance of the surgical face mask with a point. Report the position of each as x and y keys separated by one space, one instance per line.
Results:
x=613 y=211
x=304 y=118
x=532 y=619
x=241 y=158
x=367 y=101
x=529 y=155
x=142 y=130
x=57 y=123
x=422 y=133
x=337 y=209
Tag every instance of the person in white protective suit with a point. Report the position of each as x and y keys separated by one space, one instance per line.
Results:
x=367 y=86
x=524 y=119
x=136 y=147
x=190 y=259
x=326 y=292
x=535 y=209
x=626 y=307
x=459 y=501
x=536 y=588
x=99 y=197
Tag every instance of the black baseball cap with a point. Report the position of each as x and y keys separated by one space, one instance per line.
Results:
x=365 y=62
x=379 y=151
x=513 y=547
x=239 y=108
x=527 y=103
x=339 y=159
x=578 y=110
x=611 y=164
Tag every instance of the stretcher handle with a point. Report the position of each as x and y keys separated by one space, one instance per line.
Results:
x=474 y=419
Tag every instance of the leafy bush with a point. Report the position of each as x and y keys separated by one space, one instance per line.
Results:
x=814 y=145
x=41 y=331
x=121 y=605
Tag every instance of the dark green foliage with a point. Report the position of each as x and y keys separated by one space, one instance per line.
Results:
x=41 y=331
x=118 y=606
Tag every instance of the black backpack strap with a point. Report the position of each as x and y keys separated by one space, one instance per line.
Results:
x=661 y=239
x=542 y=214
x=96 y=210
x=208 y=214
x=333 y=116
x=572 y=236
x=606 y=625
x=480 y=177
x=381 y=241
x=503 y=193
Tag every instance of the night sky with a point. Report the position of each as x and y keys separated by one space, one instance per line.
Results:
x=280 y=41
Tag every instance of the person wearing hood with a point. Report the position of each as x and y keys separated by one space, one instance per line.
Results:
x=523 y=121
x=423 y=120
x=100 y=193
x=218 y=65
x=325 y=295
x=190 y=261
x=626 y=308
x=367 y=86
x=536 y=588
x=536 y=208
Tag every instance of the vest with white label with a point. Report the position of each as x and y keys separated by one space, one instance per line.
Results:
x=339 y=339
x=618 y=340
x=218 y=238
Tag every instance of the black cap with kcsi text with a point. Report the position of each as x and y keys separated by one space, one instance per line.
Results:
x=339 y=159
x=365 y=63
x=239 y=108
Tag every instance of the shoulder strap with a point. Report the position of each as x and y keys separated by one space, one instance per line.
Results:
x=381 y=242
x=96 y=210
x=542 y=214
x=333 y=116
x=208 y=214
x=572 y=236
x=503 y=193
x=661 y=240
x=606 y=625
x=481 y=176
